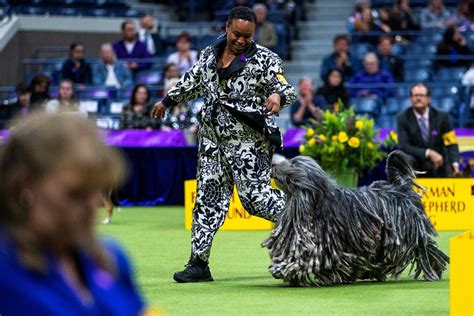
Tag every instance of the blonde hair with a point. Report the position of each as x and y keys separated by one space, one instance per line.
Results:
x=39 y=145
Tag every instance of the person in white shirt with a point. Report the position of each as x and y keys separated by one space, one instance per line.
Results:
x=184 y=57
x=66 y=101
x=110 y=71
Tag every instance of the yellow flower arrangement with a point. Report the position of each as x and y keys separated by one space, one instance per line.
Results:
x=344 y=141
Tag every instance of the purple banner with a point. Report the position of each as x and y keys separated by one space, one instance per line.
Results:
x=135 y=138
x=142 y=138
x=295 y=136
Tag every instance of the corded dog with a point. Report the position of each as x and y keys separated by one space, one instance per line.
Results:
x=331 y=235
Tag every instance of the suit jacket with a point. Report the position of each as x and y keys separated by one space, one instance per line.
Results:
x=411 y=142
x=139 y=52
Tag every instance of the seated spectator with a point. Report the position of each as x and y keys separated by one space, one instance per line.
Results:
x=384 y=20
x=110 y=71
x=184 y=58
x=308 y=106
x=129 y=47
x=402 y=17
x=265 y=33
x=372 y=76
x=136 y=114
x=333 y=91
x=76 y=68
x=356 y=14
x=340 y=58
x=468 y=82
x=53 y=168
x=21 y=107
x=451 y=48
x=435 y=15
x=427 y=136
x=387 y=61
x=66 y=101
x=154 y=43
x=39 y=88
x=367 y=24
x=463 y=17
x=468 y=77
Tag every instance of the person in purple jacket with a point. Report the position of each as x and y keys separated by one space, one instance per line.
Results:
x=375 y=79
x=54 y=167
x=131 y=49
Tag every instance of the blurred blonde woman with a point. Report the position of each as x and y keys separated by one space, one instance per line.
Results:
x=53 y=168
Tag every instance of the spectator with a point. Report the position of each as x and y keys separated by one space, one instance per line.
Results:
x=110 y=71
x=402 y=17
x=427 y=136
x=463 y=17
x=136 y=114
x=170 y=74
x=340 y=58
x=435 y=15
x=154 y=43
x=384 y=20
x=76 y=68
x=184 y=58
x=453 y=46
x=21 y=107
x=66 y=101
x=367 y=24
x=39 y=88
x=387 y=61
x=333 y=91
x=468 y=82
x=53 y=168
x=130 y=49
x=356 y=14
x=308 y=106
x=374 y=78
x=265 y=33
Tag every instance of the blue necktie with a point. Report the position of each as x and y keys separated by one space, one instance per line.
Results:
x=423 y=128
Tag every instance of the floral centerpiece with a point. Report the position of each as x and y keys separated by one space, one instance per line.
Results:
x=344 y=143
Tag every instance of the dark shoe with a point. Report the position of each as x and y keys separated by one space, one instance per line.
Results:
x=194 y=272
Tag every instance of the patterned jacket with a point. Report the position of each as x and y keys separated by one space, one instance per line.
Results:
x=242 y=88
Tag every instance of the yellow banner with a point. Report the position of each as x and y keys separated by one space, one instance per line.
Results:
x=449 y=202
x=237 y=217
x=461 y=274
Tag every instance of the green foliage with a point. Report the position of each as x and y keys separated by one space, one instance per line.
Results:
x=344 y=141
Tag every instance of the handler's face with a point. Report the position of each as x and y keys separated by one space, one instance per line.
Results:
x=239 y=35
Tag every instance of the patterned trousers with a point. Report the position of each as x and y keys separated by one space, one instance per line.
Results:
x=230 y=152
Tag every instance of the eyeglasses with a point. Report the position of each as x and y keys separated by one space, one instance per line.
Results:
x=418 y=95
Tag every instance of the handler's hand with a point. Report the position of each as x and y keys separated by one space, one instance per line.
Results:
x=158 y=111
x=272 y=105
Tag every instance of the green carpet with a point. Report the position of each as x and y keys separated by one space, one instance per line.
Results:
x=158 y=246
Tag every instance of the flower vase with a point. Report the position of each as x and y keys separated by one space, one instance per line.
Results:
x=346 y=178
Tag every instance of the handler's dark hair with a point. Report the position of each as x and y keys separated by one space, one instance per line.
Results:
x=242 y=13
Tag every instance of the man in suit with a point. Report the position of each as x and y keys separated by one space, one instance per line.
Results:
x=131 y=48
x=152 y=40
x=427 y=136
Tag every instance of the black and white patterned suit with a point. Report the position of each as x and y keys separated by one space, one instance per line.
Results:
x=236 y=140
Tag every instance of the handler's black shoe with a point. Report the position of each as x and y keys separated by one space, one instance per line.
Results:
x=195 y=271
